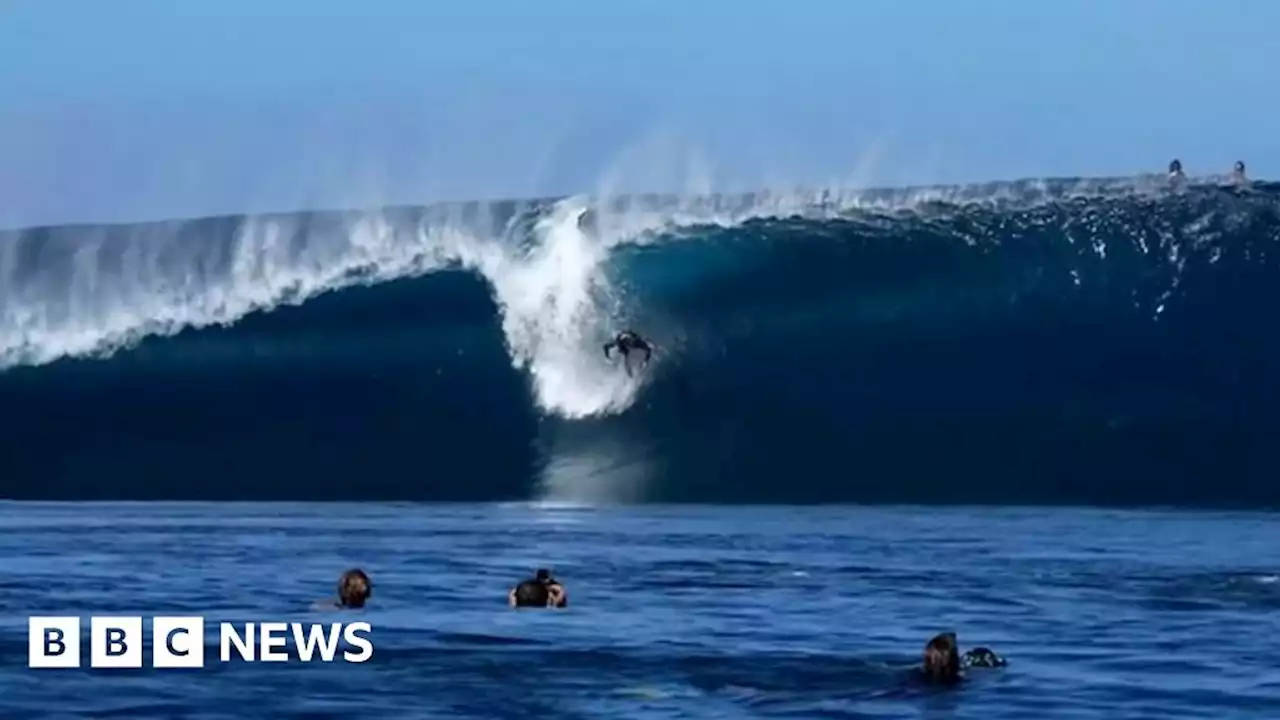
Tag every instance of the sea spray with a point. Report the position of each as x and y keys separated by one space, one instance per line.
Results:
x=1046 y=342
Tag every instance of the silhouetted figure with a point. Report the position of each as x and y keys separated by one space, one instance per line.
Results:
x=627 y=342
x=942 y=659
x=1237 y=174
x=541 y=591
x=354 y=590
x=943 y=662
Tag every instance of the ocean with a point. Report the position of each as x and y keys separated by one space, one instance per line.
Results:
x=1040 y=413
x=674 y=611
x=1050 y=342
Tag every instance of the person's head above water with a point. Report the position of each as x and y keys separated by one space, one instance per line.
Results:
x=943 y=661
x=942 y=658
x=541 y=591
x=354 y=588
x=1175 y=167
x=1240 y=166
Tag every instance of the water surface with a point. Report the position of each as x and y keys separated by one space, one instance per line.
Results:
x=674 y=611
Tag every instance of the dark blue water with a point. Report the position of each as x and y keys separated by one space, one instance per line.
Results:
x=1096 y=342
x=675 y=612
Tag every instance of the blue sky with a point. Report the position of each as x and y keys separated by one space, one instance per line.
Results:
x=136 y=109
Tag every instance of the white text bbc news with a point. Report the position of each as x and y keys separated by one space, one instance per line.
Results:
x=178 y=642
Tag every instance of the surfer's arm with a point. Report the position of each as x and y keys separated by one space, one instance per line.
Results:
x=607 y=347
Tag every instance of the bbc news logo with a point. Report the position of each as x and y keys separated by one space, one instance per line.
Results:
x=178 y=642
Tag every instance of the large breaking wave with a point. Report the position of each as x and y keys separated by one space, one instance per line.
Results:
x=1054 y=341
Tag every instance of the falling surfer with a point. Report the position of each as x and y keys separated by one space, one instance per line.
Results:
x=627 y=342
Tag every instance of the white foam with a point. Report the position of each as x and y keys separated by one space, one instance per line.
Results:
x=161 y=285
x=556 y=307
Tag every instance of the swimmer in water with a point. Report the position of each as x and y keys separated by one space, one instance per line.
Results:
x=542 y=591
x=1175 y=170
x=354 y=589
x=627 y=342
x=943 y=662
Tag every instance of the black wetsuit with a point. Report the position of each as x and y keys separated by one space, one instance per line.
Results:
x=535 y=593
x=531 y=593
x=627 y=342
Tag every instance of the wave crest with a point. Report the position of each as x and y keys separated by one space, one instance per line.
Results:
x=93 y=291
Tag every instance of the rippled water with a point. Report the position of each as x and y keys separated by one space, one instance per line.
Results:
x=674 y=611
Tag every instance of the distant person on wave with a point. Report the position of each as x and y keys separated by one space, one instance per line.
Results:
x=1175 y=170
x=542 y=591
x=1237 y=174
x=627 y=342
